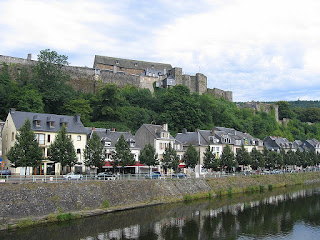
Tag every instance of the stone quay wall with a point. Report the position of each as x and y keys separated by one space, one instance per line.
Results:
x=31 y=200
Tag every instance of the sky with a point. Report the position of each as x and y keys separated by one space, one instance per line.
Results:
x=261 y=50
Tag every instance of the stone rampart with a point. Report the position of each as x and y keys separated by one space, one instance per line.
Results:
x=216 y=92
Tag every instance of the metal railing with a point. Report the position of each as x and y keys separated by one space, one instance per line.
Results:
x=117 y=177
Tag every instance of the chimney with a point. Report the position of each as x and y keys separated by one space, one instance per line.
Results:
x=165 y=127
x=12 y=110
x=93 y=128
x=184 y=131
x=77 y=117
x=29 y=57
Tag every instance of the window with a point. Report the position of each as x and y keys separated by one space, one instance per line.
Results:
x=78 y=138
x=40 y=138
x=38 y=123
x=69 y=136
x=51 y=124
x=79 y=151
x=12 y=136
x=6 y=137
x=64 y=124
x=217 y=148
x=49 y=138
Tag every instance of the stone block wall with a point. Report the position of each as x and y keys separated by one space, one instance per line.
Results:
x=216 y=92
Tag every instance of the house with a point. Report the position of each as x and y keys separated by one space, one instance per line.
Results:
x=158 y=136
x=277 y=143
x=1 y=127
x=45 y=127
x=109 y=138
x=200 y=139
x=312 y=144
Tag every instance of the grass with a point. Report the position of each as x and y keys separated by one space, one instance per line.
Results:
x=65 y=217
x=105 y=204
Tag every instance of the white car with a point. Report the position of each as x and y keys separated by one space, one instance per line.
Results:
x=73 y=176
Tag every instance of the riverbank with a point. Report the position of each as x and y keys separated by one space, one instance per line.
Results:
x=27 y=204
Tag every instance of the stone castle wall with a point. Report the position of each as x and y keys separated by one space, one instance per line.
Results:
x=88 y=79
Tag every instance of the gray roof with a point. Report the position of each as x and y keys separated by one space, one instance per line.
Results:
x=201 y=137
x=127 y=63
x=155 y=130
x=74 y=124
x=107 y=135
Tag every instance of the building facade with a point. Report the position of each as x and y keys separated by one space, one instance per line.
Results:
x=45 y=128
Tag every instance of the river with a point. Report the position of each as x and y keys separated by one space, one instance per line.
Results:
x=288 y=213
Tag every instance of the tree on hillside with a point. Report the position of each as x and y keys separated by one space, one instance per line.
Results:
x=227 y=159
x=25 y=151
x=79 y=106
x=170 y=158
x=94 y=153
x=50 y=80
x=62 y=150
x=285 y=110
x=210 y=161
x=122 y=153
x=191 y=157
x=148 y=156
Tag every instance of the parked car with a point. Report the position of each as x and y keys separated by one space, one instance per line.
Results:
x=179 y=175
x=5 y=172
x=73 y=176
x=153 y=175
x=106 y=176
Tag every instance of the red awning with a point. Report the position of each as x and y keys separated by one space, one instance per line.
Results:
x=182 y=165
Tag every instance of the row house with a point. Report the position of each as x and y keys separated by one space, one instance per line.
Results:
x=160 y=138
x=217 y=139
x=46 y=128
x=109 y=138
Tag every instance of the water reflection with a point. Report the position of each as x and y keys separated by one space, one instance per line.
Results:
x=269 y=215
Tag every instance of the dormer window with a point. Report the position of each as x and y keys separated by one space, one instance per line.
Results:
x=107 y=144
x=117 y=62
x=38 y=123
x=51 y=124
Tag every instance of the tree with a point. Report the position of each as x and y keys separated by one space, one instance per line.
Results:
x=122 y=154
x=227 y=159
x=148 y=156
x=170 y=158
x=50 y=80
x=210 y=160
x=191 y=157
x=62 y=150
x=25 y=151
x=257 y=159
x=243 y=157
x=79 y=106
x=94 y=153
x=285 y=110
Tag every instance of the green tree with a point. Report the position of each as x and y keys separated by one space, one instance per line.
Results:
x=94 y=153
x=170 y=158
x=243 y=157
x=285 y=110
x=6 y=86
x=50 y=80
x=227 y=159
x=191 y=157
x=25 y=151
x=210 y=160
x=122 y=153
x=257 y=159
x=62 y=150
x=79 y=106
x=149 y=156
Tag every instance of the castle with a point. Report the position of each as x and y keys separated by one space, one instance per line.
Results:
x=140 y=74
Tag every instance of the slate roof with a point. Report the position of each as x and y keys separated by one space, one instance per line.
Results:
x=106 y=135
x=74 y=124
x=132 y=64
x=155 y=130
x=201 y=137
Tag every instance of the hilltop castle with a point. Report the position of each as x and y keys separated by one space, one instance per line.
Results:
x=122 y=72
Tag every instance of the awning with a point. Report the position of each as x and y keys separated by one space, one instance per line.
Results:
x=182 y=165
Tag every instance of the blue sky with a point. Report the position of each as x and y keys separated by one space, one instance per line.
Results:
x=262 y=50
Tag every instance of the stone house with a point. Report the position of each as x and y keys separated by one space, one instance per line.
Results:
x=200 y=139
x=159 y=137
x=45 y=127
x=109 y=138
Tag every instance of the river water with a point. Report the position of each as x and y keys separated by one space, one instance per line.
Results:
x=289 y=213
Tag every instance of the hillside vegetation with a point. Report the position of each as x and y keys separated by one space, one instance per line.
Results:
x=45 y=89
